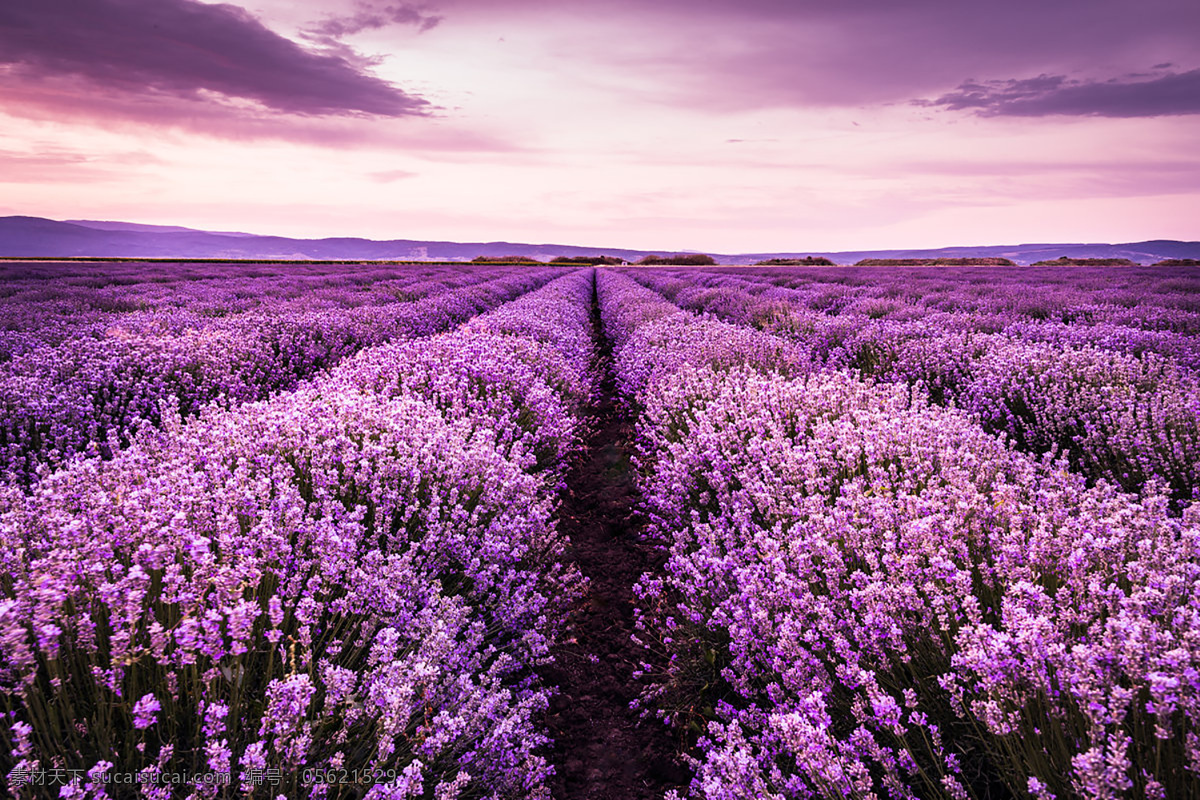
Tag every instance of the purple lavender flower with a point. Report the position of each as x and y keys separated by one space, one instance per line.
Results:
x=145 y=711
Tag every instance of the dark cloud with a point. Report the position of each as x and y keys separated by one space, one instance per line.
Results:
x=369 y=16
x=1046 y=95
x=187 y=50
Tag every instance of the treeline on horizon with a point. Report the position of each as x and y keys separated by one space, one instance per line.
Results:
x=682 y=259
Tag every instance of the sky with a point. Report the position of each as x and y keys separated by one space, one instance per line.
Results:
x=724 y=126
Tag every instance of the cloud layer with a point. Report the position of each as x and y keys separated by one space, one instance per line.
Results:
x=734 y=55
x=1163 y=95
x=187 y=50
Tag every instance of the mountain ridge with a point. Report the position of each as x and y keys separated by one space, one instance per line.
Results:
x=38 y=237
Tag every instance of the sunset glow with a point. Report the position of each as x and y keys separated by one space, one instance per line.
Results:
x=760 y=125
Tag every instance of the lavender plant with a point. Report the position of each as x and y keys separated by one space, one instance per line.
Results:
x=1122 y=403
x=868 y=596
x=352 y=577
x=89 y=394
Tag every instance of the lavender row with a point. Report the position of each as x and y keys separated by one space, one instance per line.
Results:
x=1151 y=299
x=652 y=338
x=1133 y=420
x=360 y=575
x=57 y=311
x=89 y=395
x=846 y=305
x=1065 y=306
x=870 y=596
x=44 y=304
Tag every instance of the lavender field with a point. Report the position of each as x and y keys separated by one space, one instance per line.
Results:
x=424 y=531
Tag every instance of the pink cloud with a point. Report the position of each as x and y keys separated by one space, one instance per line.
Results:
x=75 y=100
x=391 y=175
x=66 y=166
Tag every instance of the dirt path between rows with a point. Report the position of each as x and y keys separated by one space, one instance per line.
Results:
x=602 y=750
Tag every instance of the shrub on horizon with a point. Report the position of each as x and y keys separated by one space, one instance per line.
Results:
x=1067 y=261
x=683 y=259
x=586 y=260
x=807 y=261
x=985 y=261
x=505 y=260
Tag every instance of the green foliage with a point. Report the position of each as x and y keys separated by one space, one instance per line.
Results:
x=585 y=260
x=807 y=261
x=1066 y=261
x=989 y=261
x=681 y=259
x=504 y=260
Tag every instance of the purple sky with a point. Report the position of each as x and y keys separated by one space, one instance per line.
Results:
x=724 y=125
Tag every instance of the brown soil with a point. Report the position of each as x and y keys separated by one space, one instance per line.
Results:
x=602 y=750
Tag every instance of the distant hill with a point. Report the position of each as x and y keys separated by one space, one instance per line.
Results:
x=107 y=225
x=45 y=238
x=1140 y=252
x=37 y=237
